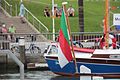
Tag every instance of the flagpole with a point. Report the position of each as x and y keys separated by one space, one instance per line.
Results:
x=64 y=7
x=106 y=23
x=53 y=16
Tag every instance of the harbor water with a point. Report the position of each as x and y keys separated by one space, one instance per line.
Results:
x=39 y=75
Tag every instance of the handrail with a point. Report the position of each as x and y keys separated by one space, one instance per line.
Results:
x=8 y=8
x=55 y=33
x=39 y=22
x=20 y=64
x=36 y=19
x=7 y=3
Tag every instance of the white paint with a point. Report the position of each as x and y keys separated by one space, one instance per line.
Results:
x=85 y=78
x=107 y=51
x=41 y=65
x=97 y=78
x=84 y=69
x=82 y=55
x=61 y=57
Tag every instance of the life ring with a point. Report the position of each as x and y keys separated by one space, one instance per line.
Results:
x=112 y=42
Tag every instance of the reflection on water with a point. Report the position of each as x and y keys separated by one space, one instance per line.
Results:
x=38 y=75
x=29 y=75
x=74 y=78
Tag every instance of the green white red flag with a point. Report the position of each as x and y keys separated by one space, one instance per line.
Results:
x=64 y=52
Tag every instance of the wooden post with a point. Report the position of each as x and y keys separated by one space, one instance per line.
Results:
x=81 y=15
x=106 y=26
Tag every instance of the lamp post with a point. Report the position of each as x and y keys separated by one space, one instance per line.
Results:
x=53 y=16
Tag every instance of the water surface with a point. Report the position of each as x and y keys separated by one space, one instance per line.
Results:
x=39 y=75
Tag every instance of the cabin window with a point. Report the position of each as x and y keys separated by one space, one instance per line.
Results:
x=53 y=50
x=115 y=56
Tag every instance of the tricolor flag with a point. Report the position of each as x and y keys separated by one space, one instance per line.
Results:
x=64 y=52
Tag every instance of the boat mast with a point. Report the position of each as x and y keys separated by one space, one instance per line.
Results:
x=106 y=24
x=68 y=24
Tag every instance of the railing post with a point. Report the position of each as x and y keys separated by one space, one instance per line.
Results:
x=27 y=16
x=1 y=3
x=33 y=21
x=16 y=9
x=5 y=7
x=11 y=10
x=39 y=28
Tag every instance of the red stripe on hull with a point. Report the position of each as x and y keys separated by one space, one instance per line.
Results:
x=83 y=50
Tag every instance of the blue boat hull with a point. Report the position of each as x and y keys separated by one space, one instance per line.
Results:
x=95 y=68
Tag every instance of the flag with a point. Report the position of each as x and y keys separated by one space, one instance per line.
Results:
x=64 y=52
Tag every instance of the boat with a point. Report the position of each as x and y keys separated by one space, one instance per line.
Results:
x=65 y=59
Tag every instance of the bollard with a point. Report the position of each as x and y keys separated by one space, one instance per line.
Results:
x=22 y=51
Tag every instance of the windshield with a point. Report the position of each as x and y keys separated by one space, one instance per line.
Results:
x=53 y=50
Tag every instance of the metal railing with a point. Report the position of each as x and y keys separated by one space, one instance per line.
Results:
x=35 y=22
x=7 y=7
x=81 y=36
x=28 y=15
x=88 y=39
